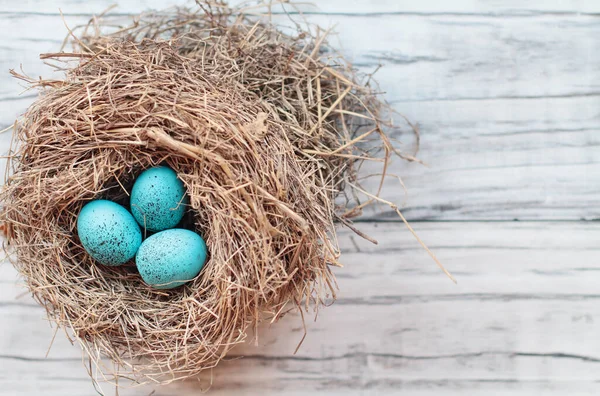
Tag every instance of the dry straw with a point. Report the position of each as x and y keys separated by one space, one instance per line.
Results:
x=265 y=129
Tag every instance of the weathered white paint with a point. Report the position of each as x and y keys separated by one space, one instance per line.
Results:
x=507 y=105
x=451 y=58
x=427 y=7
x=507 y=96
x=523 y=319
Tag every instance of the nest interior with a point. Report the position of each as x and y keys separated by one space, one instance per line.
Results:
x=265 y=130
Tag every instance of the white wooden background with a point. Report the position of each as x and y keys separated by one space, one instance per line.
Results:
x=507 y=95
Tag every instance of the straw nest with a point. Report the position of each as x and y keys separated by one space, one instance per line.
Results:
x=265 y=130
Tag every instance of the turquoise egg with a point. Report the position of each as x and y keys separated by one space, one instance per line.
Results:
x=158 y=199
x=108 y=232
x=170 y=258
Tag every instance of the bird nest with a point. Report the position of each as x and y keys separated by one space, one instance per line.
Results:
x=266 y=130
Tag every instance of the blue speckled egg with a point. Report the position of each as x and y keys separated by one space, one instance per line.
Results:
x=108 y=232
x=158 y=199
x=170 y=258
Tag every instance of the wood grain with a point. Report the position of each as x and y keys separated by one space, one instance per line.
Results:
x=507 y=106
x=522 y=319
x=426 y=7
x=507 y=97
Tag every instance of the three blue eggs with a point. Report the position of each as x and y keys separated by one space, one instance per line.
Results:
x=112 y=236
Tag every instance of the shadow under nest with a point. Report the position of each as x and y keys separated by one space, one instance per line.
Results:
x=267 y=131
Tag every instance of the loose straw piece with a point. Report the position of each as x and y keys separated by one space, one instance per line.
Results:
x=394 y=207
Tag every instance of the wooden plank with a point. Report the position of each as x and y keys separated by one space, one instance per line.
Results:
x=424 y=60
x=501 y=160
x=428 y=7
x=460 y=7
x=507 y=109
x=522 y=320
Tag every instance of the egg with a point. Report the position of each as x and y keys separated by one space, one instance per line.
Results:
x=108 y=232
x=170 y=258
x=158 y=199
